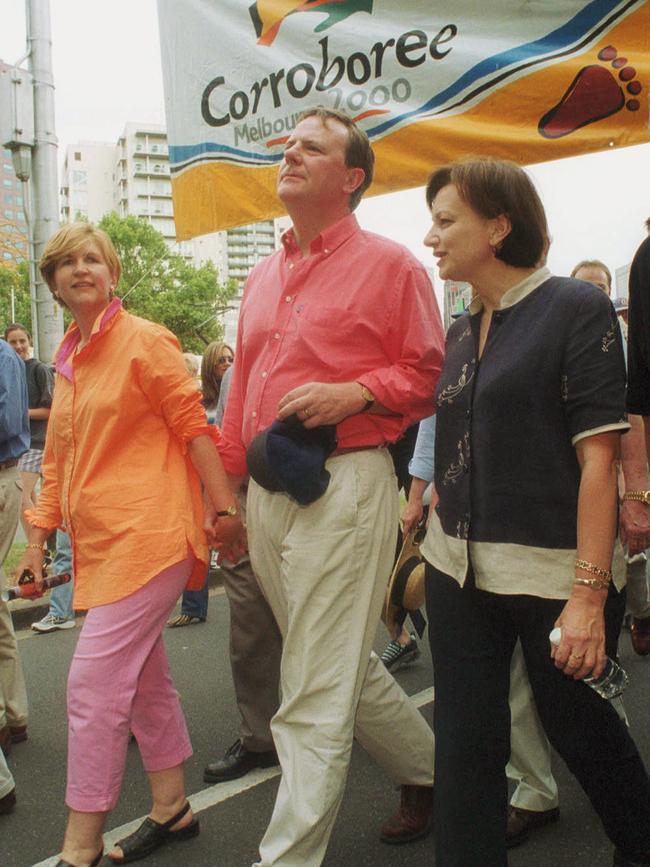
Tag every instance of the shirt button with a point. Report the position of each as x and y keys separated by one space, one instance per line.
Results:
x=254 y=414
x=288 y=299
x=277 y=335
x=290 y=265
x=468 y=413
x=325 y=250
x=264 y=374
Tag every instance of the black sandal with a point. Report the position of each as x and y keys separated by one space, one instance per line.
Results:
x=152 y=835
x=95 y=862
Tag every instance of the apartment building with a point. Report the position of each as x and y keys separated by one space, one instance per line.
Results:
x=87 y=186
x=132 y=177
x=13 y=227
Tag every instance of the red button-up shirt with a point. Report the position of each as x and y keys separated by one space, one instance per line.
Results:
x=359 y=308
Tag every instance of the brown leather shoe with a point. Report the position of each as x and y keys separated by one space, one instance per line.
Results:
x=8 y=802
x=5 y=740
x=521 y=823
x=640 y=633
x=414 y=818
x=18 y=734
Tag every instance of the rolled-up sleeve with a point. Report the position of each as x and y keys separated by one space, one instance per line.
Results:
x=421 y=465
x=170 y=389
x=415 y=344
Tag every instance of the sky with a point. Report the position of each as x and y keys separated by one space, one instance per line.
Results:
x=107 y=71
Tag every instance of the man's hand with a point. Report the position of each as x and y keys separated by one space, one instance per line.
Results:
x=634 y=526
x=229 y=539
x=318 y=403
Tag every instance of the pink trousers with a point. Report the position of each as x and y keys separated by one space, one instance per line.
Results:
x=119 y=682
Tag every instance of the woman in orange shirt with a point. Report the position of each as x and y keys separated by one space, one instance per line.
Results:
x=127 y=447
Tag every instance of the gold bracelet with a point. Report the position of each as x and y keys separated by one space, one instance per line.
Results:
x=586 y=566
x=593 y=583
x=37 y=547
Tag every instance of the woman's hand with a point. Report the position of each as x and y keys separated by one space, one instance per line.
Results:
x=581 y=651
x=412 y=515
x=414 y=509
x=31 y=560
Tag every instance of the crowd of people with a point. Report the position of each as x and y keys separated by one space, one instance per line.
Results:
x=342 y=390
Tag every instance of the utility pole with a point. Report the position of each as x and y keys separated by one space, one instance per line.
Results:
x=44 y=180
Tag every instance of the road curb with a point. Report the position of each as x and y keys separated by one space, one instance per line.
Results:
x=24 y=612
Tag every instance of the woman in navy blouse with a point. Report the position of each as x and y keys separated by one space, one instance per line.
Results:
x=530 y=409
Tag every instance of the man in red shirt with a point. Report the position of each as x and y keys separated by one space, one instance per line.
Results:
x=341 y=328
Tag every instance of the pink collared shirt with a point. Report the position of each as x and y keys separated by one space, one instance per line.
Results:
x=359 y=308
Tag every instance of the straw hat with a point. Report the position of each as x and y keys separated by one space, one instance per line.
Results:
x=405 y=593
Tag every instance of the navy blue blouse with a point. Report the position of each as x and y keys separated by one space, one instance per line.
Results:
x=506 y=469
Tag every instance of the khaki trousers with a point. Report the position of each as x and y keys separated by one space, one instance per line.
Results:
x=6 y=780
x=13 y=697
x=530 y=751
x=324 y=570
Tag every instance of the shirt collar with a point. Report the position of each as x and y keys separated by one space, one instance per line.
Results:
x=517 y=292
x=328 y=240
x=65 y=352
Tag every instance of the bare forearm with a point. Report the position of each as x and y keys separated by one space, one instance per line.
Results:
x=597 y=511
x=418 y=487
x=37 y=535
x=208 y=465
x=646 y=426
x=39 y=413
x=634 y=458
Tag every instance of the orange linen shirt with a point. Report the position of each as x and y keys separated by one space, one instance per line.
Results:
x=359 y=308
x=115 y=466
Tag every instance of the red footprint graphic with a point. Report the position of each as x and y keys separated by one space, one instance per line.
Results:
x=592 y=95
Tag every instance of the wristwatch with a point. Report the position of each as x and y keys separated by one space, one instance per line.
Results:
x=368 y=396
x=638 y=496
x=230 y=512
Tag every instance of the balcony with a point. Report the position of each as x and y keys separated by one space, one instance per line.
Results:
x=152 y=149
x=151 y=170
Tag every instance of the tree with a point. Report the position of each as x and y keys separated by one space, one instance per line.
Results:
x=160 y=285
x=18 y=280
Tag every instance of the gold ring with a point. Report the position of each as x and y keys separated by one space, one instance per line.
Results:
x=575 y=656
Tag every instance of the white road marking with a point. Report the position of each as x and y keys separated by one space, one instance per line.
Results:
x=216 y=794
x=424 y=697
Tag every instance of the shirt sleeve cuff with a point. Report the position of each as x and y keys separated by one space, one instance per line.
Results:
x=42 y=523
x=605 y=428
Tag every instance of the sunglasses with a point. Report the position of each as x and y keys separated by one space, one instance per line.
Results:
x=225 y=359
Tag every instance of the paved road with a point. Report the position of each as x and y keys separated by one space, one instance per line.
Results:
x=234 y=815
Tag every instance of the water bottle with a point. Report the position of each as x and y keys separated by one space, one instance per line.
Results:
x=611 y=682
x=27 y=589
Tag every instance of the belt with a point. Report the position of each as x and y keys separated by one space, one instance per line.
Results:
x=349 y=451
x=8 y=464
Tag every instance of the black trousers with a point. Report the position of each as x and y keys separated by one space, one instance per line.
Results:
x=472 y=636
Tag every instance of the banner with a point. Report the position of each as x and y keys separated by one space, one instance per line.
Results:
x=429 y=82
